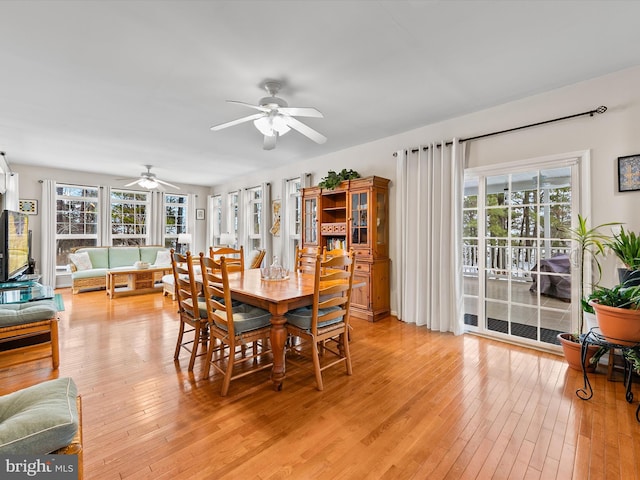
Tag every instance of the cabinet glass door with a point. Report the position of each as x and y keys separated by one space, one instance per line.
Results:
x=310 y=220
x=359 y=218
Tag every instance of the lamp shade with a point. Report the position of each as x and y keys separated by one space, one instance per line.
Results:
x=184 y=238
x=227 y=239
x=272 y=124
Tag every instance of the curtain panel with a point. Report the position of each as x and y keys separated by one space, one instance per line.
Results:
x=48 y=233
x=429 y=237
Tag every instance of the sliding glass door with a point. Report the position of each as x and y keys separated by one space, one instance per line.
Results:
x=517 y=255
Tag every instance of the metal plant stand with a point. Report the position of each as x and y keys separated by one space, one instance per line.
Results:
x=595 y=337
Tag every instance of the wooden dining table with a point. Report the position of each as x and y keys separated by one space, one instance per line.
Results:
x=278 y=297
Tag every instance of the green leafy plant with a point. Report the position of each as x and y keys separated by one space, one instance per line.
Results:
x=591 y=243
x=626 y=246
x=333 y=179
x=620 y=296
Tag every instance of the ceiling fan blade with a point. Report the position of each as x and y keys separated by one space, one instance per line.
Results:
x=255 y=116
x=132 y=183
x=301 y=111
x=250 y=105
x=270 y=142
x=166 y=183
x=305 y=130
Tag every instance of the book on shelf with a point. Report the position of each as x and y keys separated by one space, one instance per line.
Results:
x=334 y=243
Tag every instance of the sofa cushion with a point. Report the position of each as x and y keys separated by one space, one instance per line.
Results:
x=21 y=313
x=40 y=419
x=123 y=256
x=81 y=260
x=99 y=256
x=93 y=273
x=149 y=254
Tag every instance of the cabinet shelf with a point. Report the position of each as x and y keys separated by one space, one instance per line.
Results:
x=355 y=216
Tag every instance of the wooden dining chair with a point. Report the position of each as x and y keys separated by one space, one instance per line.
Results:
x=306 y=259
x=257 y=259
x=325 y=324
x=192 y=314
x=234 y=257
x=234 y=325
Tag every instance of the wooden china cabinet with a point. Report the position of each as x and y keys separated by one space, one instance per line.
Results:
x=354 y=215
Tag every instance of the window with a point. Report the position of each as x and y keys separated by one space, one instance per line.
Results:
x=233 y=215
x=216 y=219
x=129 y=217
x=76 y=219
x=293 y=224
x=175 y=218
x=255 y=218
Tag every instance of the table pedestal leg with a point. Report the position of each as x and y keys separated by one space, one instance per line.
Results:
x=278 y=337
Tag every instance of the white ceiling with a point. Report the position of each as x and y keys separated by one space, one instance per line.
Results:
x=109 y=86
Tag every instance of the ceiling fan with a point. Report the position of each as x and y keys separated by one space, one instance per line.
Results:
x=149 y=181
x=276 y=118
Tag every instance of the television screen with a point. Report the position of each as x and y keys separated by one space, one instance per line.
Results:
x=15 y=244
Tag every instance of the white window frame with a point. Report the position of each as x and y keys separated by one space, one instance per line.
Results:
x=582 y=201
x=292 y=218
x=170 y=239
x=92 y=238
x=215 y=209
x=255 y=218
x=141 y=224
x=234 y=216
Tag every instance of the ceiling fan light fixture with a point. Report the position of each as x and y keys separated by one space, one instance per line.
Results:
x=271 y=124
x=148 y=183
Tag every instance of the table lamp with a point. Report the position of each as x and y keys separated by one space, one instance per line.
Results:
x=184 y=239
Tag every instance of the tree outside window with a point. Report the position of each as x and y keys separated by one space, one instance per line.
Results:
x=76 y=220
x=175 y=218
x=129 y=217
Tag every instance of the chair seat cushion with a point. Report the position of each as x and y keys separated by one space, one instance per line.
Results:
x=301 y=317
x=246 y=318
x=202 y=306
x=22 y=313
x=40 y=419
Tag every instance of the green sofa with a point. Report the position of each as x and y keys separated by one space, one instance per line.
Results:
x=89 y=265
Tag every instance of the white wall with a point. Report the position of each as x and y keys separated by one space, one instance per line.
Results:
x=608 y=136
x=30 y=187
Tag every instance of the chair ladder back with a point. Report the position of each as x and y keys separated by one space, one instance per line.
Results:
x=215 y=281
x=186 y=288
x=306 y=259
x=235 y=257
x=333 y=283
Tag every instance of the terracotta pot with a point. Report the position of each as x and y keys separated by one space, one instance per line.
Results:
x=618 y=325
x=572 y=352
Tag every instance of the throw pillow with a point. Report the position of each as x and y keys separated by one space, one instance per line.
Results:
x=81 y=260
x=163 y=257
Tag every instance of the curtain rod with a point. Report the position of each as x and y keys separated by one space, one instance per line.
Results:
x=591 y=113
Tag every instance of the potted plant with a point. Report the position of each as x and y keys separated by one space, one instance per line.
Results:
x=590 y=244
x=626 y=246
x=333 y=179
x=618 y=313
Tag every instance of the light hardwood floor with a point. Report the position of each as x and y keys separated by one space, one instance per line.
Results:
x=420 y=405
